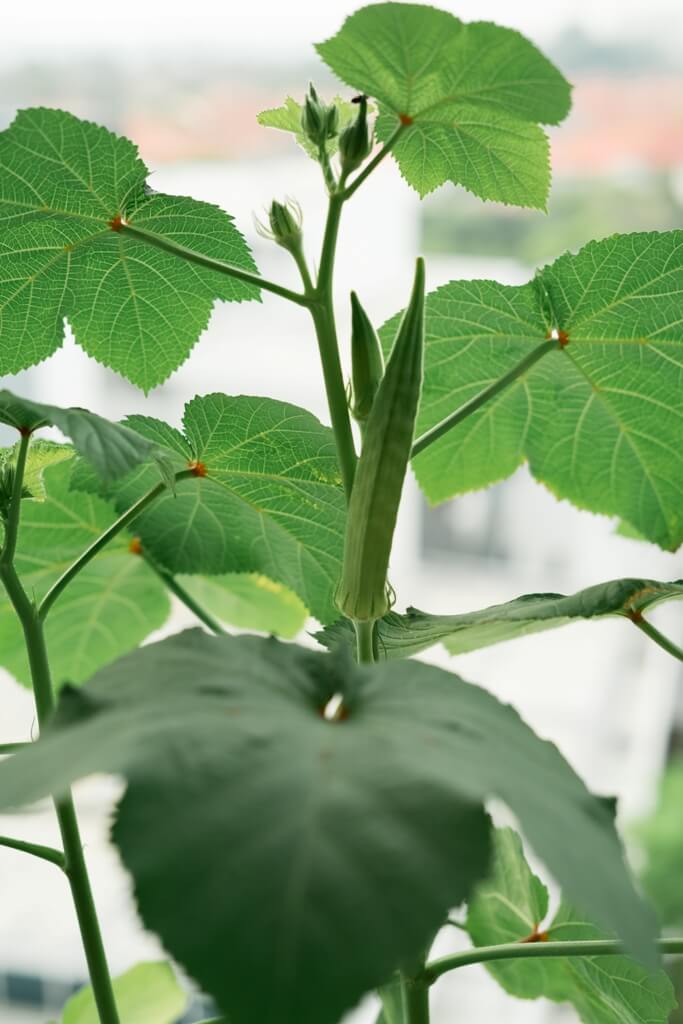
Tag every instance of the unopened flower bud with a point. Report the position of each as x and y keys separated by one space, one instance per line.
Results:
x=284 y=224
x=355 y=142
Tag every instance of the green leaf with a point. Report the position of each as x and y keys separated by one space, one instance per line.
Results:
x=400 y=636
x=662 y=844
x=599 y=420
x=41 y=454
x=146 y=994
x=287 y=118
x=373 y=829
x=472 y=96
x=109 y=608
x=249 y=602
x=112 y=449
x=511 y=906
x=270 y=501
x=65 y=186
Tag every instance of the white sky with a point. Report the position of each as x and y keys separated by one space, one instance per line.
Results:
x=237 y=28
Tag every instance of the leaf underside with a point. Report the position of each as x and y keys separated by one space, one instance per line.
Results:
x=373 y=822
x=599 y=421
x=400 y=636
x=471 y=98
x=512 y=906
x=65 y=184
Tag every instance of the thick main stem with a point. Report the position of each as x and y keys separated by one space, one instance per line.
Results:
x=415 y=1000
x=74 y=862
x=322 y=311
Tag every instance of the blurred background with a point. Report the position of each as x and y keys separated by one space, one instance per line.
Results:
x=186 y=81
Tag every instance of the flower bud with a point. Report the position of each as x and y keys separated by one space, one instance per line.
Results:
x=318 y=121
x=284 y=224
x=355 y=142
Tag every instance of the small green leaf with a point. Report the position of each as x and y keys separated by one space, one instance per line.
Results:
x=374 y=825
x=470 y=98
x=111 y=448
x=41 y=454
x=511 y=907
x=267 y=500
x=66 y=186
x=146 y=994
x=249 y=602
x=400 y=636
x=599 y=420
x=287 y=118
x=109 y=608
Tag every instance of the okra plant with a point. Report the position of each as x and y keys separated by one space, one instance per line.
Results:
x=300 y=822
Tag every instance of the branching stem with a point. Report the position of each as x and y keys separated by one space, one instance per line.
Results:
x=211 y=264
x=663 y=641
x=376 y=160
x=101 y=542
x=446 y=424
x=527 y=950
x=47 y=853
x=171 y=582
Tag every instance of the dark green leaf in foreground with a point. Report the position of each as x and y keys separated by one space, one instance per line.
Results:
x=372 y=827
x=65 y=187
x=267 y=499
x=470 y=97
x=146 y=994
x=400 y=636
x=109 y=608
x=512 y=906
x=600 y=421
x=111 y=448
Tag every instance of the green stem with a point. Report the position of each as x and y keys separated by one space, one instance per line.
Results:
x=211 y=264
x=12 y=523
x=171 y=582
x=432 y=435
x=47 y=853
x=322 y=311
x=527 y=950
x=668 y=645
x=74 y=861
x=415 y=1000
x=101 y=542
x=376 y=160
x=364 y=641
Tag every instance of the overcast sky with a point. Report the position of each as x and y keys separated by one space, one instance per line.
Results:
x=36 y=29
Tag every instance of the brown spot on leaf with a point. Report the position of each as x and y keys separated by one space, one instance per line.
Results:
x=197 y=468
x=405 y=119
x=116 y=223
x=135 y=546
x=536 y=936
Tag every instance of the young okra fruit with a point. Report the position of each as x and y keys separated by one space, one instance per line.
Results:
x=373 y=507
x=367 y=363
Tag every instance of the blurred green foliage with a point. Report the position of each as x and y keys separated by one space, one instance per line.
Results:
x=579 y=209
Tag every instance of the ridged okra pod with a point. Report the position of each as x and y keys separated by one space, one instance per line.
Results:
x=367 y=362
x=376 y=493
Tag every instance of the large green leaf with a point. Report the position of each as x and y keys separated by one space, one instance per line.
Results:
x=112 y=449
x=511 y=906
x=65 y=186
x=290 y=840
x=249 y=601
x=146 y=994
x=400 y=636
x=270 y=500
x=600 y=420
x=109 y=608
x=470 y=98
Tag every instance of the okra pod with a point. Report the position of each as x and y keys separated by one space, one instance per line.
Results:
x=376 y=494
x=367 y=362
